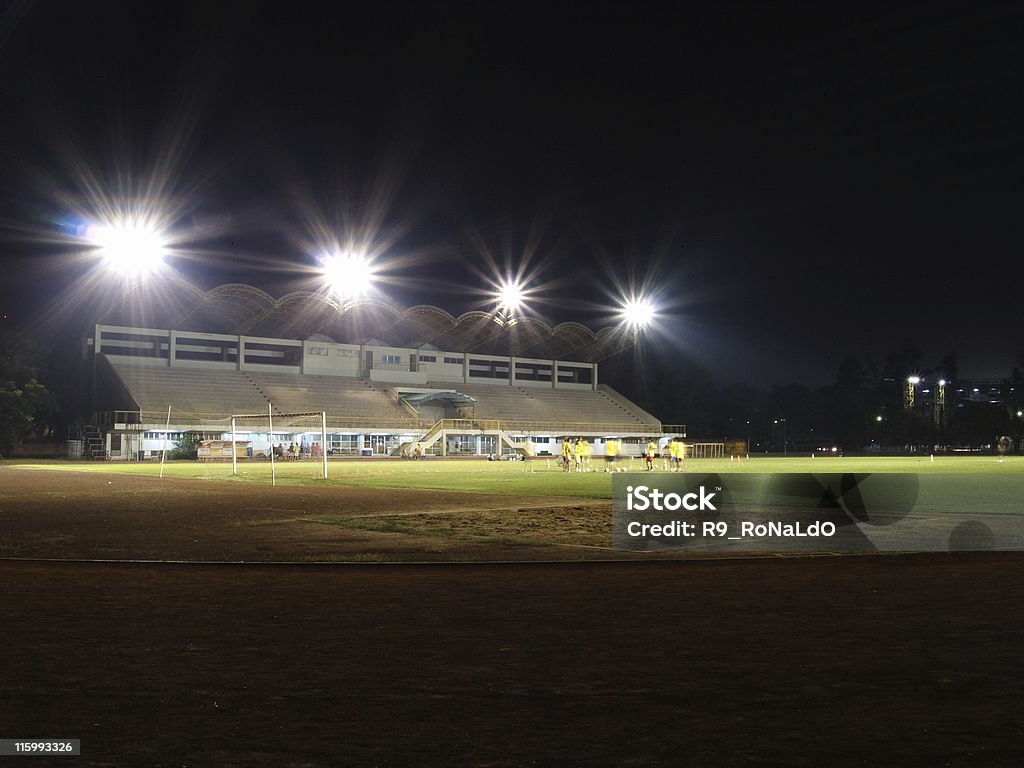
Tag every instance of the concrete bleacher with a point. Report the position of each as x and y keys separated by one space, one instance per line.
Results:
x=344 y=399
x=599 y=410
x=191 y=390
x=216 y=394
x=220 y=393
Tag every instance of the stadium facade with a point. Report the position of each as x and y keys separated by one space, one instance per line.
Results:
x=384 y=379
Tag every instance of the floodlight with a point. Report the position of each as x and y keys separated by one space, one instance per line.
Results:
x=913 y=379
x=510 y=295
x=637 y=313
x=1020 y=414
x=878 y=418
x=348 y=274
x=130 y=248
x=942 y=382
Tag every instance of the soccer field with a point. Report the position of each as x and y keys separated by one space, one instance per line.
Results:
x=532 y=478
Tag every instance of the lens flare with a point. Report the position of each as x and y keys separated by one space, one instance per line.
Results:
x=637 y=312
x=347 y=275
x=510 y=295
x=131 y=249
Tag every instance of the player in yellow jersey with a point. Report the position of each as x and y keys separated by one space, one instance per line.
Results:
x=611 y=453
x=579 y=453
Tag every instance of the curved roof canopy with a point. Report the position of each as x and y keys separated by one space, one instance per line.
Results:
x=243 y=309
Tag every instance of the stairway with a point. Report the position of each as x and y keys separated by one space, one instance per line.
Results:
x=95 y=443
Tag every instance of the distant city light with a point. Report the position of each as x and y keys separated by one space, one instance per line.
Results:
x=347 y=275
x=637 y=313
x=130 y=248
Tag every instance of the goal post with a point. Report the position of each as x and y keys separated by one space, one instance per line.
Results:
x=278 y=427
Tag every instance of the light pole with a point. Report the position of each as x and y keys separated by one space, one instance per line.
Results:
x=939 y=405
x=909 y=392
x=785 y=451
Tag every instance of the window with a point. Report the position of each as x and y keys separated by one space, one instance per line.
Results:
x=428 y=358
x=391 y=359
x=453 y=360
x=321 y=351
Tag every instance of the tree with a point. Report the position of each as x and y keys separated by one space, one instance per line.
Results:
x=851 y=372
x=23 y=399
x=978 y=424
x=899 y=365
x=186 y=446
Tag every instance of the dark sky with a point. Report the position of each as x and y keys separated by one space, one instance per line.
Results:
x=794 y=186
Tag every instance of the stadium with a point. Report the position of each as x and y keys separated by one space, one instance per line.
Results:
x=285 y=290
x=362 y=378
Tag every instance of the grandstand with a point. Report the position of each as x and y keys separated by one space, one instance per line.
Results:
x=381 y=378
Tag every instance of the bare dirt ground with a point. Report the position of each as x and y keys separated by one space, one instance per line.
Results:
x=881 y=660
x=90 y=515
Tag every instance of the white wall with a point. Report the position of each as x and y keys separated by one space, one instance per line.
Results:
x=398 y=377
x=340 y=360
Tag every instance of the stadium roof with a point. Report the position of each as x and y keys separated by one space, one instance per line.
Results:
x=243 y=309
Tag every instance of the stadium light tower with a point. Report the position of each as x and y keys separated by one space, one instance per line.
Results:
x=347 y=275
x=637 y=313
x=910 y=391
x=131 y=248
x=509 y=295
x=939 y=405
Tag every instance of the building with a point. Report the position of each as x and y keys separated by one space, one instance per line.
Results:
x=384 y=379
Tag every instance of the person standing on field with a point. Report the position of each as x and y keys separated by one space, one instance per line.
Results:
x=580 y=453
x=611 y=453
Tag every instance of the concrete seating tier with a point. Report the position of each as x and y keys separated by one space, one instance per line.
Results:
x=540 y=405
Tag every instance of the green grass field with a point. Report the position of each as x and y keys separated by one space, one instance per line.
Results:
x=534 y=478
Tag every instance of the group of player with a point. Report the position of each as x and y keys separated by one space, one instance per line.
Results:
x=576 y=455
x=672 y=455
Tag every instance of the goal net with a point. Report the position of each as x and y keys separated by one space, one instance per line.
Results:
x=279 y=438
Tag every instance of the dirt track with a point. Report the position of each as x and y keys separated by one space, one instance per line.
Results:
x=902 y=661
x=858 y=661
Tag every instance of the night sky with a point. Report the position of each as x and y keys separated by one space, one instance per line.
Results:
x=793 y=188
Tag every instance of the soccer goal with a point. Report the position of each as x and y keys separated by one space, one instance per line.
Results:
x=705 y=450
x=280 y=437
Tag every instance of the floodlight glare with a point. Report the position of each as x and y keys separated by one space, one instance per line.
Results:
x=914 y=379
x=131 y=249
x=347 y=275
x=637 y=313
x=942 y=382
x=510 y=296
